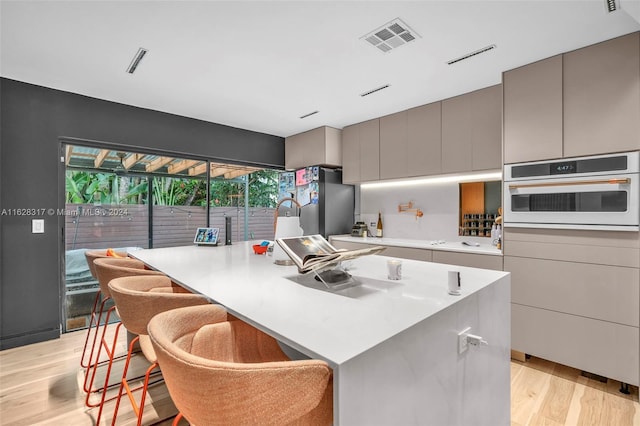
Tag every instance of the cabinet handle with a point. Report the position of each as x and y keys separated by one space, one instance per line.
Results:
x=584 y=182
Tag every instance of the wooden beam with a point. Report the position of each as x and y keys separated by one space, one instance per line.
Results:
x=158 y=163
x=100 y=158
x=132 y=159
x=67 y=155
x=240 y=172
x=181 y=165
x=219 y=171
x=198 y=170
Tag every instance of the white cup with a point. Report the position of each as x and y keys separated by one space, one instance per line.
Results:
x=394 y=269
x=453 y=283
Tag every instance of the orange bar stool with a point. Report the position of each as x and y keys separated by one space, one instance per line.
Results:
x=92 y=255
x=138 y=300
x=107 y=269
x=230 y=373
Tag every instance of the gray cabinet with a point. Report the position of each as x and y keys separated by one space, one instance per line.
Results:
x=456 y=135
x=472 y=131
x=533 y=111
x=576 y=298
x=321 y=146
x=389 y=251
x=584 y=102
x=393 y=146
x=361 y=152
x=602 y=97
x=486 y=128
x=472 y=260
x=424 y=140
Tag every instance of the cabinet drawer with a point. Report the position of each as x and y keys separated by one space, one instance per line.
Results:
x=599 y=247
x=401 y=252
x=468 y=259
x=608 y=293
x=600 y=347
x=408 y=253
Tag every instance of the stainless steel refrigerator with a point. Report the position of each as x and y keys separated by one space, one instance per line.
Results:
x=327 y=205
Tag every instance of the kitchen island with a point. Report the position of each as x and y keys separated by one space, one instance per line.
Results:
x=393 y=345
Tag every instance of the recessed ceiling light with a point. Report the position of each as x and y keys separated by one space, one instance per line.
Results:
x=474 y=53
x=374 y=90
x=391 y=35
x=136 y=60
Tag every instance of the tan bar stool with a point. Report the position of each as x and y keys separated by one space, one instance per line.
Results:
x=229 y=373
x=92 y=255
x=107 y=269
x=138 y=299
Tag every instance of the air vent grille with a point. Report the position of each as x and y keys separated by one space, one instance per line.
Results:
x=136 y=60
x=472 y=54
x=309 y=114
x=374 y=90
x=611 y=5
x=391 y=35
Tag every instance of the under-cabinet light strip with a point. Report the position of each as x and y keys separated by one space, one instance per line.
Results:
x=470 y=177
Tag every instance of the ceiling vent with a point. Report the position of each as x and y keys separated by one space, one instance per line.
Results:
x=309 y=114
x=136 y=60
x=391 y=35
x=472 y=54
x=611 y=5
x=374 y=90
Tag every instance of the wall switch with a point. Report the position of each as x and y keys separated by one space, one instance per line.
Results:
x=463 y=340
x=37 y=226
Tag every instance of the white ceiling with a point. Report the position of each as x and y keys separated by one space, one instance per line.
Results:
x=260 y=65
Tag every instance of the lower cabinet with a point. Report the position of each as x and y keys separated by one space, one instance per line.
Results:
x=575 y=299
x=391 y=251
x=472 y=260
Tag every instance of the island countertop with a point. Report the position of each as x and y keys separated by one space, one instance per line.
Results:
x=334 y=325
x=393 y=345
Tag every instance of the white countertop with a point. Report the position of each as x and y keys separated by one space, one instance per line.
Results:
x=457 y=246
x=332 y=325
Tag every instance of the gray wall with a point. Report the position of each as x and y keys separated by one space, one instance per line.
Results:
x=33 y=119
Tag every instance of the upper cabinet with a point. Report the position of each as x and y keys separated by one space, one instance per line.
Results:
x=585 y=102
x=602 y=97
x=472 y=131
x=321 y=146
x=393 y=146
x=424 y=136
x=533 y=111
x=361 y=152
x=410 y=142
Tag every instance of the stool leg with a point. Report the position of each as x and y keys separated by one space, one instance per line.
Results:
x=91 y=364
x=177 y=419
x=92 y=318
x=110 y=352
x=124 y=385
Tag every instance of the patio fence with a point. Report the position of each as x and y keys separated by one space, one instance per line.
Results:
x=89 y=226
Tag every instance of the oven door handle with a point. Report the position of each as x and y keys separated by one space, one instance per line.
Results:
x=583 y=182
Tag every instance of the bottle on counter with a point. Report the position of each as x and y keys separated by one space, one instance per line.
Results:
x=379 y=226
x=494 y=231
x=499 y=232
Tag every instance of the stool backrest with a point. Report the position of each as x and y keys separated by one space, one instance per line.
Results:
x=223 y=392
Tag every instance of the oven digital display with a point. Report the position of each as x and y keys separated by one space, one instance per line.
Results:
x=566 y=167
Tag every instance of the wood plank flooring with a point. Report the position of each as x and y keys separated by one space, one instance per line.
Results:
x=39 y=386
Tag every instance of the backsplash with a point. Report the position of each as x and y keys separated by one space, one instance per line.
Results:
x=440 y=203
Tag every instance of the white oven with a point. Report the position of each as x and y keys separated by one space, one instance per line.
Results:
x=597 y=192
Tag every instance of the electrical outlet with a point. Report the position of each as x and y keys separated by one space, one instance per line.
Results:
x=463 y=340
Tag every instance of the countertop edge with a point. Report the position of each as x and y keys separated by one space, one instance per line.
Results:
x=452 y=246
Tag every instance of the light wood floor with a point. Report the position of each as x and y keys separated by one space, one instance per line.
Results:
x=39 y=385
